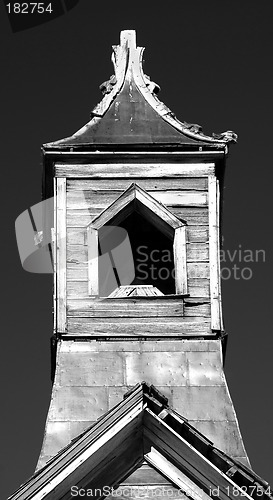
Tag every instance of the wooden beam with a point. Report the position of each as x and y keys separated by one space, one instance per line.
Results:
x=138 y=327
x=93 y=261
x=214 y=255
x=175 y=475
x=131 y=170
x=180 y=260
x=126 y=307
x=54 y=253
x=106 y=184
x=219 y=248
x=157 y=433
x=60 y=211
x=95 y=452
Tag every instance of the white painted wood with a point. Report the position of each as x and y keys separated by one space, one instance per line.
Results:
x=131 y=170
x=61 y=254
x=54 y=254
x=135 y=291
x=93 y=261
x=214 y=256
x=180 y=198
x=194 y=461
x=150 y=184
x=180 y=260
x=175 y=475
x=104 y=438
x=155 y=306
x=120 y=56
x=219 y=246
x=139 y=327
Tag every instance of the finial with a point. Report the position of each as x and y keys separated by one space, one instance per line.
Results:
x=128 y=38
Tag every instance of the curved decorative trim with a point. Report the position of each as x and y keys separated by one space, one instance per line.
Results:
x=190 y=129
x=119 y=59
x=127 y=60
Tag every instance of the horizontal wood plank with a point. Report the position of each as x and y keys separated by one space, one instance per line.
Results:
x=85 y=308
x=197 y=234
x=196 y=290
x=138 y=327
x=198 y=270
x=105 y=184
x=132 y=170
x=77 y=273
x=197 y=306
x=194 y=216
x=125 y=308
x=196 y=252
x=77 y=289
x=86 y=200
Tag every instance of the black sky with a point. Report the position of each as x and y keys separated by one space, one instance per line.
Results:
x=213 y=62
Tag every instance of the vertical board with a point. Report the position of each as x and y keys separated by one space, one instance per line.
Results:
x=180 y=260
x=214 y=255
x=93 y=264
x=61 y=254
x=54 y=253
x=218 y=251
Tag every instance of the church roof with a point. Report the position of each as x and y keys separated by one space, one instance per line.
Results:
x=143 y=427
x=131 y=113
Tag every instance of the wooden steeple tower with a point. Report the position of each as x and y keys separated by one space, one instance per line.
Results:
x=137 y=296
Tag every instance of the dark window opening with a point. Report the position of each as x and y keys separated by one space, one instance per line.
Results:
x=152 y=253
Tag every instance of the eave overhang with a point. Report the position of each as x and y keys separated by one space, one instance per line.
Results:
x=140 y=427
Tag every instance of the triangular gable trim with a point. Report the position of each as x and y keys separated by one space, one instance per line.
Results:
x=160 y=435
x=134 y=193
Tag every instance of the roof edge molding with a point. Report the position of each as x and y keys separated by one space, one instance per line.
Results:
x=127 y=60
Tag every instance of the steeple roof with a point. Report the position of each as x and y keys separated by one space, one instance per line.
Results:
x=143 y=427
x=131 y=113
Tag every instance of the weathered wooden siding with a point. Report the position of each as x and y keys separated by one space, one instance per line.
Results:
x=187 y=198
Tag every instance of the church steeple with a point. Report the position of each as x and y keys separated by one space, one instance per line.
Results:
x=136 y=250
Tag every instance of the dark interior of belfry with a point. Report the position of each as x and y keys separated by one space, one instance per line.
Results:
x=152 y=253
